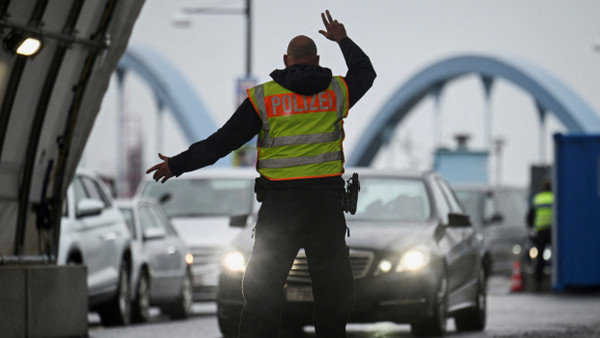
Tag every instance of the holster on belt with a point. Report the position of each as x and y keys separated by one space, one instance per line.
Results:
x=350 y=196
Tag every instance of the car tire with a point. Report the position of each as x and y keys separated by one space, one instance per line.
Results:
x=474 y=319
x=140 y=310
x=118 y=310
x=435 y=325
x=182 y=307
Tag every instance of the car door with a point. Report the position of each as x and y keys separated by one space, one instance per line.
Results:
x=162 y=255
x=176 y=249
x=464 y=254
x=450 y=240
x=505 y=227
x=99 y=236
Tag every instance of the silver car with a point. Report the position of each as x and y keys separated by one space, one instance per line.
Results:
x=93 y=233
x=201 y=206
x=161 y=269
x=499 y=213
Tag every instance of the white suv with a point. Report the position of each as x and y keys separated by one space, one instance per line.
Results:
x=94 y=233
x=203 y=205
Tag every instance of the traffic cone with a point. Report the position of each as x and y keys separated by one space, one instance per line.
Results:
x=516 y=280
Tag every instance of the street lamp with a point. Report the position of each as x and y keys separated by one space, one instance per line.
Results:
x=183 y=22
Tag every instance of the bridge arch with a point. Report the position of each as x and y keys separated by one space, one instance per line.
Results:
x=171 y=90
x=550 y=94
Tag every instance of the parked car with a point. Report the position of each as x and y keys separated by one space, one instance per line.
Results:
x=415 y=257
x=161 y=262
x=200 y=205
x=499 y=213
x=93 y=233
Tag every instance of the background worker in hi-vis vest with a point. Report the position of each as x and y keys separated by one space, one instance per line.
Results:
x=298 y=118
x=540 y=218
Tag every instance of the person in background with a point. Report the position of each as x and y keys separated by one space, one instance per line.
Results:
x=539 y=219
x=298 y=117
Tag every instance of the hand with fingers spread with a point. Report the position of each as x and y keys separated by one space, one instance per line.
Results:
x=335 y=31
x=162 y=170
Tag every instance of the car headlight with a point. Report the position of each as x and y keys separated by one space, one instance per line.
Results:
x=414 y=259
x=234 y=261
x=384 y=267
x=533 y=253
x=189 y=258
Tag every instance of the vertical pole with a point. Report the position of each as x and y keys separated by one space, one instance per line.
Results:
x=248 y=38
x=437 y=118
x=487 y=84
x=542 y=132
x=487 y=121
x=120 y=137
x=160 y=127
x=499 y=147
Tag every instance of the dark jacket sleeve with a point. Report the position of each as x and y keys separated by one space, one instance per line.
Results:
x=241 y=127
x=361 y=73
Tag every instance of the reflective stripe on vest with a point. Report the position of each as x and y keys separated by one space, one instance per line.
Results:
x=280 y=103
x=543 y=203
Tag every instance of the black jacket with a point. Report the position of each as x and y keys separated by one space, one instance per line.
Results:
x=245 y=122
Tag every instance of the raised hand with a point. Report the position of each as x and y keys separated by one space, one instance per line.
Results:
x=335 y=31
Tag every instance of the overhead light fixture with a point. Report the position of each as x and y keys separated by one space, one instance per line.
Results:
x=18 y=43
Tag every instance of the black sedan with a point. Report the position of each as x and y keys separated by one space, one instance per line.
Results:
x=415 y=256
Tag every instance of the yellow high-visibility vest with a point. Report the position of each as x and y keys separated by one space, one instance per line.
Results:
x=542 y=203
x=301 y=136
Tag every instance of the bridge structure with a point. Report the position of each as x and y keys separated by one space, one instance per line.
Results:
x=550 y=94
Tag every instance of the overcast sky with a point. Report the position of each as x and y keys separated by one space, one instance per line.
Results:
x=402 y=38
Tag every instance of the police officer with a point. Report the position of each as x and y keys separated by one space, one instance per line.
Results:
x=540 y=219
x=298 y=117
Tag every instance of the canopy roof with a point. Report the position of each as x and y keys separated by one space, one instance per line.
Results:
x=48 y=105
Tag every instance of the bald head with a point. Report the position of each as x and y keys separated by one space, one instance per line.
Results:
x=301 y=49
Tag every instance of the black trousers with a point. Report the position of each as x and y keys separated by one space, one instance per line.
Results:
x=290 y=219
x=542 y=238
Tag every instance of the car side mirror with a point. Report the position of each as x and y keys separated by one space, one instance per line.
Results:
x=496 y=218
x=238 y=221
x=456 y=220
x=153 y=233
x=89 y=207
x=164 y=198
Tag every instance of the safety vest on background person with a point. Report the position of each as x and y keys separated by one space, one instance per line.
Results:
x=301 y=136
x=542 y=202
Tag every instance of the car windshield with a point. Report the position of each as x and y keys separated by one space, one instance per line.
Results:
x=203 y=197
x=471 y=201
x=392 y=199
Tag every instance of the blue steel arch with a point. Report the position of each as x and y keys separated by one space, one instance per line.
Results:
x=170 y=89
x=549 y=92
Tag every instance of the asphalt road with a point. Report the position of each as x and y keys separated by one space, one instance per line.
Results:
x=522 y=314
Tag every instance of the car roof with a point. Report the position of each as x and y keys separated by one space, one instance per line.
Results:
x=385 y=172
x=484 y=187
x=217 y=172
x=132 y=202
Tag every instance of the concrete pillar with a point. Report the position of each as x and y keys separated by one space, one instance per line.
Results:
x=43 y=301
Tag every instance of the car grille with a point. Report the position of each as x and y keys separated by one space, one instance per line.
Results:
x=207 y=262
x=360 y=261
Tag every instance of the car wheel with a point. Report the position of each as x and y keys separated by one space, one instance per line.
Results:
x=118 y=310
x=140 y=311
x=435 y=325
x=474 y=319
x=182 y=307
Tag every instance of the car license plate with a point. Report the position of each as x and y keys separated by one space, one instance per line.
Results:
x=299 y=294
